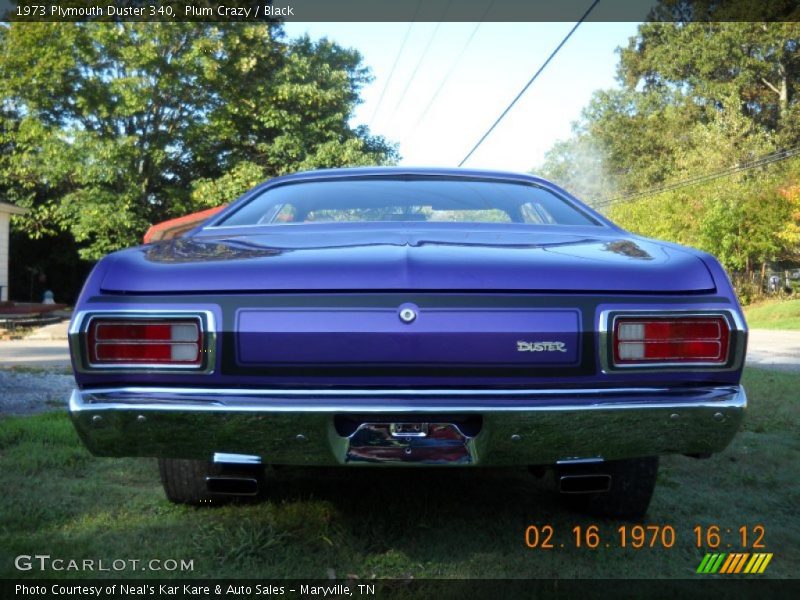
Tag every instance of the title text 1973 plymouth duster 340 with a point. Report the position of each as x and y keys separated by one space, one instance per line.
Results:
x=409 y=317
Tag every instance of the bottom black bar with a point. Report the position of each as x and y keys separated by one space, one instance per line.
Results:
x=208 y=589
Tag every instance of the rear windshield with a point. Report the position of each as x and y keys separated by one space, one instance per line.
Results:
x=414 y=200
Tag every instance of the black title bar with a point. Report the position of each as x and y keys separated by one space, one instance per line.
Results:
x=394 y=10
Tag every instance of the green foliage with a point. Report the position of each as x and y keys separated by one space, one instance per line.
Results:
x=209 y=193
x=737 y=221
x=742 y=229
x=775 y=314
x=750 y=66
x=108 y=128
x=697 y=97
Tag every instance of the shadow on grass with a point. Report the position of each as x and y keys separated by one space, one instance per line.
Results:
x=421 y=509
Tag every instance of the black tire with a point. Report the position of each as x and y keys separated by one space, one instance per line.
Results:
x=632 y=484
x=184 y=481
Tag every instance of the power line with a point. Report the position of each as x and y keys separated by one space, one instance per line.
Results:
x=761 y=161
x=394 y=65
x=453 y=66
x=421 y=58
x=530 y=81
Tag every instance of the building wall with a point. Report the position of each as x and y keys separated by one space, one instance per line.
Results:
x=4 y=218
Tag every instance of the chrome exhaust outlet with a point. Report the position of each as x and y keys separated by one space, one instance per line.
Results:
x=586 y=483
x=228 y=485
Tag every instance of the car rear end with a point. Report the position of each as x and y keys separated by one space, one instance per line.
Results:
x=530 y=384
x=468 y=354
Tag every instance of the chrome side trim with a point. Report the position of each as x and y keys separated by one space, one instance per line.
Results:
x=737 y=342
x=246 y=401
x=581 y=461
x=387 y=392
x=82 y=321
x=236 y=459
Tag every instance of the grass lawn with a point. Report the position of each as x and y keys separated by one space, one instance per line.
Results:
x=774 y=314
x=59 y=500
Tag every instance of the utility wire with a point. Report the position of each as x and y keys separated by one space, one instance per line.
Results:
x=761 y=161
x=530 y=81
x=453 y=66
x=421 y=58
x=394 y=65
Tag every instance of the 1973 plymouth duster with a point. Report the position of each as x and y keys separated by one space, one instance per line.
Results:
x=409 y=317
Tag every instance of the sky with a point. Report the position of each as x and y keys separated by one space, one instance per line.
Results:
x=458 y=89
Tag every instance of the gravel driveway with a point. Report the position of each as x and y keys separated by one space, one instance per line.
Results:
x=24 y=392
x=774 y=349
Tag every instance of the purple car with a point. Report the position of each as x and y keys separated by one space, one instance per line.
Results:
x=403 y=317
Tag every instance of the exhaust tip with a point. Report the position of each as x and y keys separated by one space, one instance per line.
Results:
x=594 y=483
x=232 y=486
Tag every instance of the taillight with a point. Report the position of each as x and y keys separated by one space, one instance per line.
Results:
x=654 y=340
x=139 y=342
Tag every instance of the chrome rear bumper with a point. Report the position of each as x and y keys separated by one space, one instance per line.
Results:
x=463 y=427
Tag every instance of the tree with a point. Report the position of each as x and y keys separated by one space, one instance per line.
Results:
x=752 y=67
x=108 y=128
x=789 y=233
x=699 y=95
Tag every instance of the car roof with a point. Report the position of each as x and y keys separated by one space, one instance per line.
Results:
x=402 y=171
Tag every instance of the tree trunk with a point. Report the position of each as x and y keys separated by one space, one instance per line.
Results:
x=784 y=97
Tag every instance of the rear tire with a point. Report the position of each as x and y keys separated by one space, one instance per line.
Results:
x=184 y=480
x=632 y=484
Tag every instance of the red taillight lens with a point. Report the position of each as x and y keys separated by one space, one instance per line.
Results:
x=119 y=341
x=665 y=340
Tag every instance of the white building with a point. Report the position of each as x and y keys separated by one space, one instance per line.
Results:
x=6 y=210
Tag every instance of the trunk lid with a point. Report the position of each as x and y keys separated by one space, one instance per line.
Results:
x=587 y=259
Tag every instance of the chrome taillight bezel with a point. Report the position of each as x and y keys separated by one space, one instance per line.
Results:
x=81 y=323
x=737 y=340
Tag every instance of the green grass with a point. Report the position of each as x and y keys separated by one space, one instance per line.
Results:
x=59 y=500
x=35 y=370
x=774 y=314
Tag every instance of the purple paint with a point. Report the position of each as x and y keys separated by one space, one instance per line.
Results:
x=435 y=336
